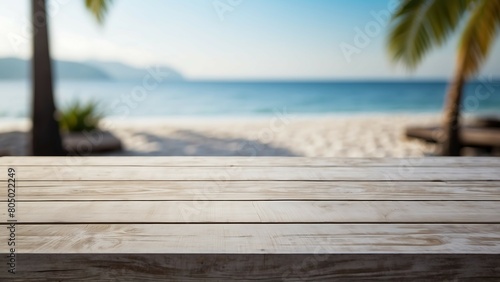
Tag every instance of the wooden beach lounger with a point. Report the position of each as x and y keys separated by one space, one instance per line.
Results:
x=470 y=136
x=478 y=140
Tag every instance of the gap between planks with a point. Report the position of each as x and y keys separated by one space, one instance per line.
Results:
x=253 y=190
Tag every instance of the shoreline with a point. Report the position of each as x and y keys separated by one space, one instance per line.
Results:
x=301 y=116
x=286 y=135
x=24 y=121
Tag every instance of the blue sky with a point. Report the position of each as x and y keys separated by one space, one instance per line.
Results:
x=228 y=39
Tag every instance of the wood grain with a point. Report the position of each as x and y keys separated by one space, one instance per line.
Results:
x=198 y=218
x=254 y=190
x=138 y=212
x=229 y=267
x=256 y=238
x=127 y=173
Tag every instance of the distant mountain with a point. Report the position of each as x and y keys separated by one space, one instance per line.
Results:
x=11 y=68
x=73 y=70
x=121 y=71
x=14 y=68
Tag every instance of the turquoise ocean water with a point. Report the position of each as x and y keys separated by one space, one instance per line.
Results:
x=221 y=99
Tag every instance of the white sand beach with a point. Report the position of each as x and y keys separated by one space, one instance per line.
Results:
x=332 y=136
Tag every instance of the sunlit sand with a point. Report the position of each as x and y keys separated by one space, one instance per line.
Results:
x=354 y=136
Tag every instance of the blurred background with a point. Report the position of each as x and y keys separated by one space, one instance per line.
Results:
x=216 y=77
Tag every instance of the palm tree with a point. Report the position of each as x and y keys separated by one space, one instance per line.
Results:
x=46 y=138
x=419 y=25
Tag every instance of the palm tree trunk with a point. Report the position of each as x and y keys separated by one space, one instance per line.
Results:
x=46 y=138
x=450 y=141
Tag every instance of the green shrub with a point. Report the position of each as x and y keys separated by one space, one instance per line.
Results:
x=80 y=117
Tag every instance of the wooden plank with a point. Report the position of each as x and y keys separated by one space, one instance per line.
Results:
x=257 y=212
x=230 y=267
x=86 y=220
x=378 y=212
x=250 y=161
x=127 y=173
x=256 y=238
x=254 y=190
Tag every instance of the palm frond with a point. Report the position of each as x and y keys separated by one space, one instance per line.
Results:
x=479 y=35
x=419 y=25
x=98 y=8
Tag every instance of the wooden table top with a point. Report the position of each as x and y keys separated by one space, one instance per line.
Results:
x=251 y=206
